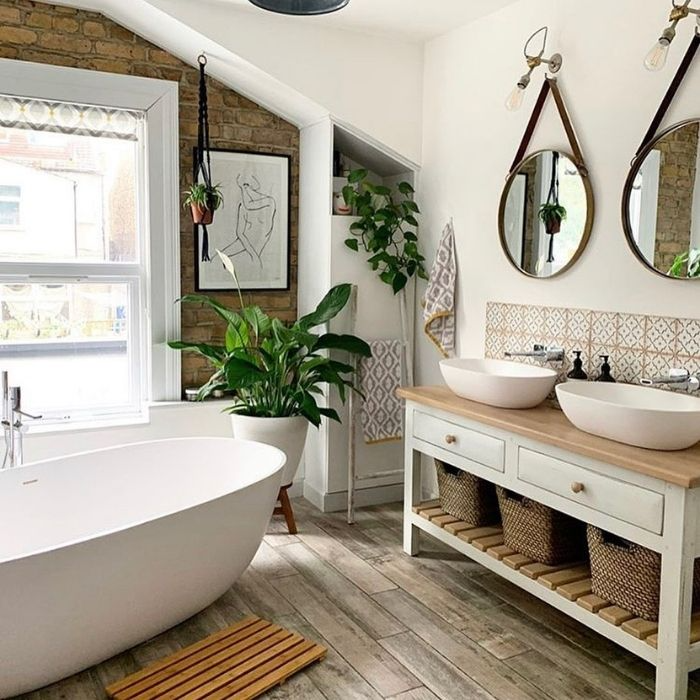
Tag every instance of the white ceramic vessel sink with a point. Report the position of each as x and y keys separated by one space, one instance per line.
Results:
x=634 y=415
x=498 y=382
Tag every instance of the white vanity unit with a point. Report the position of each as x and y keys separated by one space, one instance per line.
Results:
x=645 y=496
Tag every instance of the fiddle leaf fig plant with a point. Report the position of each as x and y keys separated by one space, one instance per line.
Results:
x=277 y=370
x=686 y=265
x=386 y=229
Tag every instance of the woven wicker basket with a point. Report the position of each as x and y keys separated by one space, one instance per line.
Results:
x=466 y=496
x=628 y=574
x=539 y=532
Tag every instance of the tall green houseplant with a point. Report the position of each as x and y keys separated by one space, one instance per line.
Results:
x=386 y=232
x=277 y=370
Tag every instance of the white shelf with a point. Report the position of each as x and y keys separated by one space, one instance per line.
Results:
x=616 y=634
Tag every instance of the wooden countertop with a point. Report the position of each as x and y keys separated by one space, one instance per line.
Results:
x=551 y=426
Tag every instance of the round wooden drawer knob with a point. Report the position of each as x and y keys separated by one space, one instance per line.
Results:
x=577 y=487
x=450 y=439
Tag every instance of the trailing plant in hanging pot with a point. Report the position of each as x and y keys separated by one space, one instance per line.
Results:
x=277 y=371
x=203 y=201
x=551 y=215
x=386 y=229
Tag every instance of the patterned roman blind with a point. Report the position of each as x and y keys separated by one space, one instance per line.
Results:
x=67 y=118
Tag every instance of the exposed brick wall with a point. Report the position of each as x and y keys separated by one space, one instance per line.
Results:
x=679 y=156
x=43 y=33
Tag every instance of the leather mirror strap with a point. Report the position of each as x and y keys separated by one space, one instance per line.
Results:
x=568 y=127
x=531 y=125
x=550 y=85
x=670 y=94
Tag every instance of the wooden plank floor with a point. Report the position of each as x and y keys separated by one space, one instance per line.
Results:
x=434 y=626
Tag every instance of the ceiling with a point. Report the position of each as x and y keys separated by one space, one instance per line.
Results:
x=413 y=20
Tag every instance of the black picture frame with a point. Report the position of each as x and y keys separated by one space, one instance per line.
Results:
x=285 y=227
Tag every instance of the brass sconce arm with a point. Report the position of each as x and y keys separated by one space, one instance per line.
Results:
x=533 y=61
x=656 y=58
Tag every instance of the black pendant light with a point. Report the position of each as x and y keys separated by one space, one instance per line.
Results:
x=301 y=7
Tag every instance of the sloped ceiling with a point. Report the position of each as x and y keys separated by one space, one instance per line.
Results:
x=152 y=23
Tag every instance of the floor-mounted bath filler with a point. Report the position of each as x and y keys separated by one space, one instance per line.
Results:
x=12 y=425
x=656 y=58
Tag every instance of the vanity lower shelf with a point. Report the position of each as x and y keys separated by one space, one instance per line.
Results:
x=567 y=587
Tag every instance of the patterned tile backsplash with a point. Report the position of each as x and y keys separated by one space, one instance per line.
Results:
x=638 y=345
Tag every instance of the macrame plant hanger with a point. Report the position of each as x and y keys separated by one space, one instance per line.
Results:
x=553 y=198
x=202 y=159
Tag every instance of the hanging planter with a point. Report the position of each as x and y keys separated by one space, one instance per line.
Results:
x=203 y=201
x=202 y=197
x=551 y=216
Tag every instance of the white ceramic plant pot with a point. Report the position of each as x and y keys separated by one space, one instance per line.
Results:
x=286 y=434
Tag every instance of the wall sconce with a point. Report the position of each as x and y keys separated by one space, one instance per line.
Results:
x=301 y=7
x=656 y=58
x=516 y=97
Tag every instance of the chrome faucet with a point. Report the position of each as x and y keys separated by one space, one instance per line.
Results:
x=677 y=379
x=12 y=423
x=543 y=353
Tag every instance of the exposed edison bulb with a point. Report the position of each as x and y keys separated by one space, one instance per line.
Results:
x=515 y=99
x=656 y=58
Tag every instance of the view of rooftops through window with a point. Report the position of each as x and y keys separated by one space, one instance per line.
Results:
x=67 y=199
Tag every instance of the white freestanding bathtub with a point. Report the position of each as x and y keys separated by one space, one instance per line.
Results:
x=102 y=550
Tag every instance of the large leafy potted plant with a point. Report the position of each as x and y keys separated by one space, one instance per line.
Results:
x=277 y=371
x=686 y=265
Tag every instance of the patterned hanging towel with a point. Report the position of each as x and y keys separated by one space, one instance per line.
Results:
x=439 y=300
x=379 y=378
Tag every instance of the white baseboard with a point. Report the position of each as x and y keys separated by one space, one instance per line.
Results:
x=336 y=502
x=296 y=489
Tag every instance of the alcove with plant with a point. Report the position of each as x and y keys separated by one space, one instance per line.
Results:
x=327 y=221
x=274 y=373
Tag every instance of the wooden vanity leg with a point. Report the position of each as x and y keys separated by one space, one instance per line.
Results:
x=411 y=489
x=677 y=563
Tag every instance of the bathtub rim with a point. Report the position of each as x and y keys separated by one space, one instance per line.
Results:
x=100 y=534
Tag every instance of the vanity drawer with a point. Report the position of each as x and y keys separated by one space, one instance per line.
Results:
x=627 y=502
x=461 y=441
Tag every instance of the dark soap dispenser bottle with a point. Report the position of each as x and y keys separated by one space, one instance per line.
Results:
x=577 y=373
x=605 y=375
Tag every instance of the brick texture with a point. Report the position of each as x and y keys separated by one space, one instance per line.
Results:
x=43 y=33
x=679 y=155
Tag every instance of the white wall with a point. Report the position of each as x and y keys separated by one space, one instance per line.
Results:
x=470 y=140
x=371 y=82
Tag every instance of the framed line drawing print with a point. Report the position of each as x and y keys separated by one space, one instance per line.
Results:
x=253 y=227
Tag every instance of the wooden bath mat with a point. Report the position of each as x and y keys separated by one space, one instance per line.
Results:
x=243 y=661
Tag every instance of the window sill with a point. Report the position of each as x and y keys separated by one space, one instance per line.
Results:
x=97 y=424
x=120 y=421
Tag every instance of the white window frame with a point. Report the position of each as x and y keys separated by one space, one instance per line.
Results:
x=160 y=318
